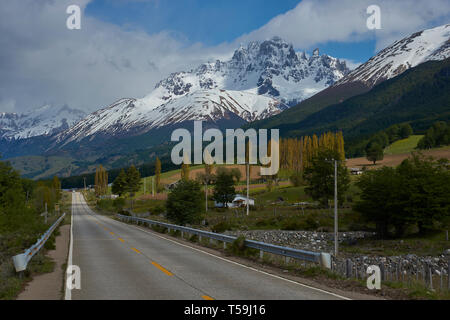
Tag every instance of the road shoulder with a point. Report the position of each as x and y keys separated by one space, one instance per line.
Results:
x=48 y=286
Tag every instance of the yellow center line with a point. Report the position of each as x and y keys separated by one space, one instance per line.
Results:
x=136 y=250
x=207 y=298
x=120 y=239
x=162 y=269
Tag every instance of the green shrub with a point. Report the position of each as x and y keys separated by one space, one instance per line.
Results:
x=238 y=248
x=105 y=204
x=157 y=210
x=221 y=227
x=119 y=204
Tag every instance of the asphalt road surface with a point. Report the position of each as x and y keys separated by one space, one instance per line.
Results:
x=120 y=261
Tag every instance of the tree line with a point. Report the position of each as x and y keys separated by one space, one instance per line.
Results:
x=413 y=194
x=437 y=135
x=296 y=154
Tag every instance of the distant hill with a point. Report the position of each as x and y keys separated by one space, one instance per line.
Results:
x=402 y=55
x=419 y=96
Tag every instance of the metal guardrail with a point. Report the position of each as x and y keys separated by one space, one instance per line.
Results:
x=321 y=258
x=21 y=260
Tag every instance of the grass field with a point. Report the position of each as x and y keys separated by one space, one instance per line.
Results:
x=403 y=146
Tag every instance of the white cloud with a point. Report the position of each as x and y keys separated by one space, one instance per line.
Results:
x=315 y=22
x=42 y=62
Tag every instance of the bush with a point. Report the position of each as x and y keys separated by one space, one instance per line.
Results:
x=157 y=210
x=119 y=204
x=238 y=248
x=221 y=227
x=296 y=179
x=185 y=203
x=309 y=223
x=105 y=204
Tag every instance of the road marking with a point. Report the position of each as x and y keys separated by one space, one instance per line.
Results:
x=239 y=264
x=162 y=269
x=121 y=240
x=68 y=295
x=229 y=261
x=136 y=250
x=207 y=298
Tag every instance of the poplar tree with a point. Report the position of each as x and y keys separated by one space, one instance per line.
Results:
x=157 y=173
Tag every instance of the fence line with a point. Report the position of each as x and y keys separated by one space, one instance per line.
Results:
x=396 y=272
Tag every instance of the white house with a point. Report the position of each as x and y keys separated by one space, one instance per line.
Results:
x=238 y=202
x=356 y=171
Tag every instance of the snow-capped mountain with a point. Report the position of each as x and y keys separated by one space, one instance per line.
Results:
x=259 y=81
x=427 y=45
x=271 y=68
x=136 y=116
x=46 y=120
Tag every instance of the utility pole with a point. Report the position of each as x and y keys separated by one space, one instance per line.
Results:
x=144 y=184
x=335 y=211
x=206 y=195
x=248 y=184
x=84 y=183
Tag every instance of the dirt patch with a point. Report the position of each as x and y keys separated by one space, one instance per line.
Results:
x=48 y=286
x=392 y=160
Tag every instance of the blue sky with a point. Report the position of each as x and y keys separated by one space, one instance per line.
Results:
x=125 y=47
x=212 y=22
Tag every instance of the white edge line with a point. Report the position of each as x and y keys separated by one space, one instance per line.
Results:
x=237 y=263
x=68 y=295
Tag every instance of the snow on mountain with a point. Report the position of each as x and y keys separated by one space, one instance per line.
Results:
x=259 y=81
x=271 y=68
x=135 y=116
x=45 y=120
x=427 y=45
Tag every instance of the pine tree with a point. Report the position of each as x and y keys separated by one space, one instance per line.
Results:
x=119 y=186
x=133 y=180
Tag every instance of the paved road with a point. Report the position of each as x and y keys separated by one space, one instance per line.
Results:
x=120 y=261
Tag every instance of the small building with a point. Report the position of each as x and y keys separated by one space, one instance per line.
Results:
x=239 y=201
x=356 y=171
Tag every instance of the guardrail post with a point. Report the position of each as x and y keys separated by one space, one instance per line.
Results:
x=325 y=260
x=261 y=254
x=224 y=245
